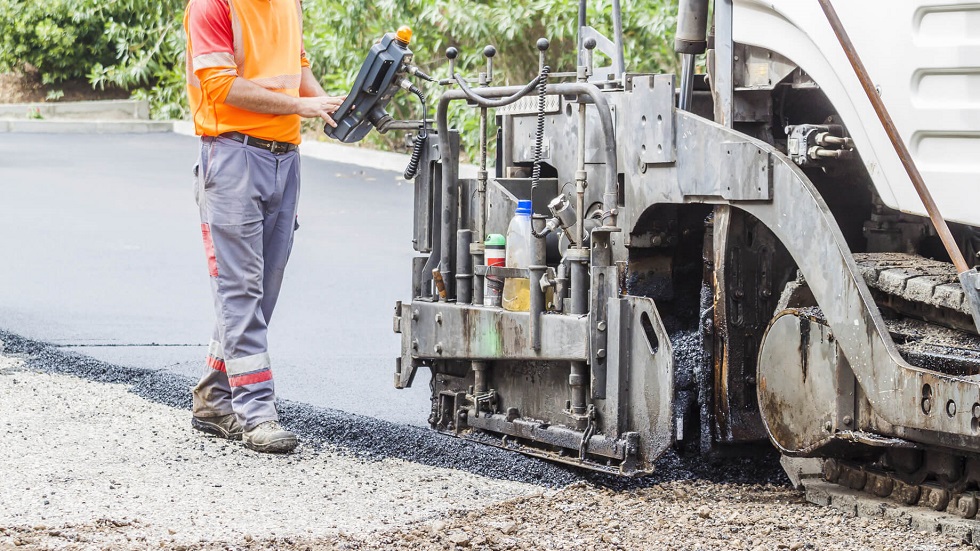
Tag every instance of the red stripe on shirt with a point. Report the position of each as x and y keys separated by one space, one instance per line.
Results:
x=209 y=25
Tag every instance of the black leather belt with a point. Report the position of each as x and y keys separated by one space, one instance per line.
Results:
x=276 y=148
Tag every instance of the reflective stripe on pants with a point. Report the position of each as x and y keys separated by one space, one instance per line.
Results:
x=247 y=198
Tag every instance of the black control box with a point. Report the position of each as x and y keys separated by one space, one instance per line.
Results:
x=376 y=83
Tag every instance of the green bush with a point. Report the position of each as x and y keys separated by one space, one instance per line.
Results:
x=61 y=38
x=136 y=45
x=148 y=41
x=339 y=32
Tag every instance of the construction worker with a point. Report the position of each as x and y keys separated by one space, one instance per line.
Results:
x=249 y=83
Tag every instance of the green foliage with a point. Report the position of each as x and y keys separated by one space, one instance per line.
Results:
x=133 y=44
x=149 y=54
x=339 y=32
x=58 y=37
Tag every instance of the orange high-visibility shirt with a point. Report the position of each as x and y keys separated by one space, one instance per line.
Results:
x=259 y=40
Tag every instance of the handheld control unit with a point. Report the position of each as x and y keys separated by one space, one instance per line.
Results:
x=376 y=83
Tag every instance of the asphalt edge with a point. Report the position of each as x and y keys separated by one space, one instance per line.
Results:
x=362 y=437
x=369 y=438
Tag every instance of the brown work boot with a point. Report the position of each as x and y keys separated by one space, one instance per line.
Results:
x=222 y=426
x=269 y=437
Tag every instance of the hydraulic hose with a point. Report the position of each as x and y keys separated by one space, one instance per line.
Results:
x=485 y=101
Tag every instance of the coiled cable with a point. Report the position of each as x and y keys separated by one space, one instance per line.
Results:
x=418 y=142
x=539 y=131
x=539 y=137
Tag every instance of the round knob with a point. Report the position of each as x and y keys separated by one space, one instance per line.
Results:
x=489 y=51
x=589 y=43
x=451 y=52
x=543 y=44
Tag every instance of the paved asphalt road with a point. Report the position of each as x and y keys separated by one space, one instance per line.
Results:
x=101 y=251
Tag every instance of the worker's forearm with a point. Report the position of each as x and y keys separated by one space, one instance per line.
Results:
x=252 y=97
x=249 y=96
x=309 y=86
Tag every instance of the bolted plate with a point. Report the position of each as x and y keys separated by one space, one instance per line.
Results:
x=797 y=391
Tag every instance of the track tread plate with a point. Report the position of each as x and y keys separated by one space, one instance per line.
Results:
x=860 y=504
x=913 y=278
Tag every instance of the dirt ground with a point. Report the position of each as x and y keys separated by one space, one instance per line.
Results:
x=90 y=465
x=680 y=515
x=27 y=88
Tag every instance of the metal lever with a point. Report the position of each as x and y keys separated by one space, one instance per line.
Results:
x=487 y=78
x=451 y=54
x=543 y=46
x=589 y=60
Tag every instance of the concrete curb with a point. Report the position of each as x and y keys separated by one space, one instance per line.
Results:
x=120 y=109
x=325 y=151
x=30 y=126
x=346 y=154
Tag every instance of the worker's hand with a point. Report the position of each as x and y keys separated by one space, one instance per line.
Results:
x=320 y=106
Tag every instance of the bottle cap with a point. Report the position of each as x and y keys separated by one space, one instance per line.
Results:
x=495 y=240
x=523 y=207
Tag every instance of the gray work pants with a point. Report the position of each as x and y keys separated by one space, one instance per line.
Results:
x=247 y=198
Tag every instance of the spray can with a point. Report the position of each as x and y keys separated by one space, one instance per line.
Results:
x=495 y=254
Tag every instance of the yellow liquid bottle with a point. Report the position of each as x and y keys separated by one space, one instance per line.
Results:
x=517 y=290
x=517 y=294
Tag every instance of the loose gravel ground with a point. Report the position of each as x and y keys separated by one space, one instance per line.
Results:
x=88 y=464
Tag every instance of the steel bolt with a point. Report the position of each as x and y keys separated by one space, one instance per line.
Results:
x=415 y=344
x=415 y=314
x=951 y=408
x=828 y=426
x=976 y=410
x=438 y=348
x=439 y=318
x=926 y=405
x=848 y=420
x=601 y=353
x=601 y=326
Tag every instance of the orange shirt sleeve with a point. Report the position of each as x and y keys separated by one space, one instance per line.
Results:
x=216 y=83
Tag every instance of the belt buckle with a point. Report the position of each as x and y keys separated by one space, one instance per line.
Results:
x=278 y=148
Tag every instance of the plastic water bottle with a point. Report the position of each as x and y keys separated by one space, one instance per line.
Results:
x=517 y=290
x=494 y=252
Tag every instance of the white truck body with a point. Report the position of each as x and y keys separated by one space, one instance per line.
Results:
x=923 y=55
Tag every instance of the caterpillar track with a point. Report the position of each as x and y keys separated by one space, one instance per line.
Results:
x=927 y=317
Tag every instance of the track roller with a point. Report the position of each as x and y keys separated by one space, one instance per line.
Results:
x=966 y=505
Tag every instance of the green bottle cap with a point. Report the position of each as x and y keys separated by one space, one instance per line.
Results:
x=495 y=240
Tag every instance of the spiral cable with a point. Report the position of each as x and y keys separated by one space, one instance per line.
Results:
x=418 y=142
x=539 y=138
x=539 y=131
